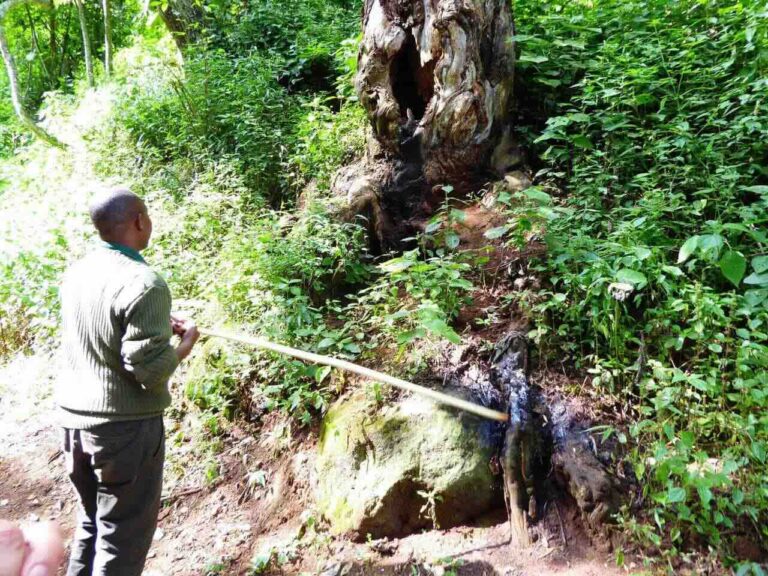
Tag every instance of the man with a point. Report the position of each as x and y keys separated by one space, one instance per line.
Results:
x=117 y=327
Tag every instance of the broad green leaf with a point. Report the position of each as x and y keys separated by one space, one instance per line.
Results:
x=352 y=348
x=760 y=264
x=570 y=44
x=396 y=265
x=705 y=494
x=673 y=270
x=410 y=336
x=756 y=297
x=580 y=117
x=439 y=327
x=711 y=244
x=452 y=239
x=522 y=37
x=675 y=494
x=687 y=249
x=325 y=343
x=433 y=227
x=495 y=233
x=532 y=58
x=582 y=141
x=538 y=195
x=322 y=373
x=733 y=265
x=633 y=277
x=756 y=280
x=642 y=253
x=758 y=451
x=756 y=189
x=504 y=197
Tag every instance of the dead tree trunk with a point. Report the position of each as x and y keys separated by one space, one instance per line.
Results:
x=86 y=42
x=435 y=78
x=13 y=80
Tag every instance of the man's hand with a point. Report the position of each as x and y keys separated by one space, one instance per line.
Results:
x=177 y=326
x=189 y=335
x=36 y=550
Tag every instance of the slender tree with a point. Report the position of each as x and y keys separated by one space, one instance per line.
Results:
x=13 y=80
x=36 y=45
x=107 y=37
x=86 y=42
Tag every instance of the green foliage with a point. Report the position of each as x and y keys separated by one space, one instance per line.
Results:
x=217 y=107
x=657 y=284
x=47 y=45
x=291 y=265
x=327 y=140
x=29 y=294
x=283 y=281
x=11 y=136
x=214 y=382
x=415 y=297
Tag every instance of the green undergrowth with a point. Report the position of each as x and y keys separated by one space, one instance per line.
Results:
x=219 y=145
x=646 y=122
x=653 y=201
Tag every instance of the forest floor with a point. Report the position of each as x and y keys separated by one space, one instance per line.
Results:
x=223 y=525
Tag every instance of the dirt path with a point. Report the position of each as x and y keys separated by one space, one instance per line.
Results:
x=221 y=527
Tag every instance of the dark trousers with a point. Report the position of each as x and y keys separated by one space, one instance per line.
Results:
x=117 y=471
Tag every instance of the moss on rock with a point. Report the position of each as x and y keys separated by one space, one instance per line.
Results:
x=391 y=471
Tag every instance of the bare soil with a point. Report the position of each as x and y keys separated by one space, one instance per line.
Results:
x=220 y=526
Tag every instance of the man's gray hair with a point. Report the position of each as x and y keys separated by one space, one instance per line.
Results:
x=115 y=208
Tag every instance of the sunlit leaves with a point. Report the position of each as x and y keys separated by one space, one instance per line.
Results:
x=660 y=168
x=733 y=265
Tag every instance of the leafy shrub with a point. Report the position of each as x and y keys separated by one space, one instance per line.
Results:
x=656 y=263
x=11 y=136
x=215 y=378
x=415 y=296
x=283 y=282
x=29 y=297
x=326 y=141
x=217 y=106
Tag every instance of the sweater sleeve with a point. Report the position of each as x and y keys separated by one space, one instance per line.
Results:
x=146 y=345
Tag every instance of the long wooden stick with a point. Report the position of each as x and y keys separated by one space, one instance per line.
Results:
x=367 y=372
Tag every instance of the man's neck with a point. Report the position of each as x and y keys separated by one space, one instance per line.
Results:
x=125 y=249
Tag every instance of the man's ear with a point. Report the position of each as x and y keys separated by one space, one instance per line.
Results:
x=140 y=222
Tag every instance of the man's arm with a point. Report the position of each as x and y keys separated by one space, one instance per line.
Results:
x=187 y=331
x=146 y=348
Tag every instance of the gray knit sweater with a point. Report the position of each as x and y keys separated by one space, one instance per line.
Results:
x=116 y=335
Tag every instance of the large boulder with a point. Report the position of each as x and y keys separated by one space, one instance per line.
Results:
x=389 y=471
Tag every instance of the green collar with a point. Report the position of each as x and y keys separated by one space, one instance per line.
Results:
x=130 y=252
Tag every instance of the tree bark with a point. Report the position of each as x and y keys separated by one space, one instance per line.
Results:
x=107 y=38
x=435 y=78
x=183 y=19
x=86 y=42
x=10 y=66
